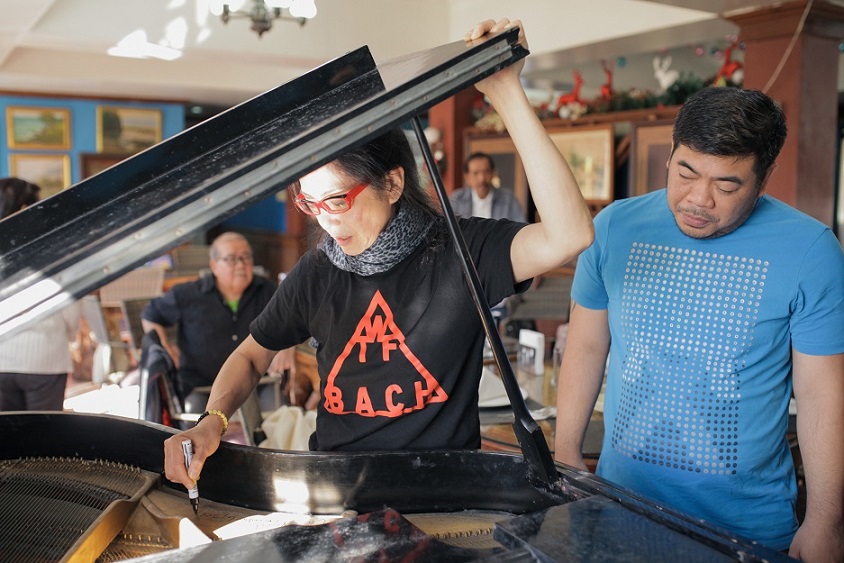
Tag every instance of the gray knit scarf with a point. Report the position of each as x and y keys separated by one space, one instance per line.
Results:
x=404 y=233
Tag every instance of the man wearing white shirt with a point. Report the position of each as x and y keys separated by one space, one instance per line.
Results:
x=479 y=198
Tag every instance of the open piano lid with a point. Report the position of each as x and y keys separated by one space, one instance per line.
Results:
x=72 y=243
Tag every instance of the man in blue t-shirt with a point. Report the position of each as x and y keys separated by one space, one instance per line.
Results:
x=713 y=300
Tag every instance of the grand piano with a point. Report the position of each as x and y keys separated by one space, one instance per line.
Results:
x=76 y=487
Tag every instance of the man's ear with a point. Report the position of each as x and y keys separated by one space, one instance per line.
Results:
x=395 y=178
x=670 y=155
x=212 y=265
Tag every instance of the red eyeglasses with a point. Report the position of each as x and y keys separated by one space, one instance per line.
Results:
x=332 y=204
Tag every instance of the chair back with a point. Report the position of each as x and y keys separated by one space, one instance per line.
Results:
x=131 y=310
x=252 y=418
x=190 y=260
x=158 y=401
x=138 y=283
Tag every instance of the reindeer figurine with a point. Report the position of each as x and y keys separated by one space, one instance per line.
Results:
x=606 y=88
x=663 y=75
x=574 y=95
x=730 y=70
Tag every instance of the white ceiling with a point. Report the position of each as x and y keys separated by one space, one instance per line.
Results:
x=61 y=46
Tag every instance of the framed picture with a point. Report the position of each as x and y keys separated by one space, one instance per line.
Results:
x=589 y=151
x=38 y=128
x=123 y=130
x=649 y=151
x=51 y=172
x=94 y=163
x=508 y=166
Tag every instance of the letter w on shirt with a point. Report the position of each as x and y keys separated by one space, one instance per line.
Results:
x=378 y=327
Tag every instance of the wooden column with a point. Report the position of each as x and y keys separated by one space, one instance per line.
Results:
x=452 y=117
x=807 y=88
x=295 y=237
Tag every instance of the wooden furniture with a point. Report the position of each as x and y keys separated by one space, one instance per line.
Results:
x=451 y=117
x=138 y=284
x=189 y=259
x=135 y=284
x=595 y=166
x=791 y=53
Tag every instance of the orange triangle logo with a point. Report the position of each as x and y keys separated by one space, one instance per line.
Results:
x=377 y=327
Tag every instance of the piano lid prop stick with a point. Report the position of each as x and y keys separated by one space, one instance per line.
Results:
x=530 y=436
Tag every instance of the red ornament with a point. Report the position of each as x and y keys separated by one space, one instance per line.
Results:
x=606 y=88
x=574 y=95
x=729 y=68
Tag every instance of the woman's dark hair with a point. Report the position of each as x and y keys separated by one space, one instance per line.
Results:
x=725 y=121
x=15 y=194
x=370 y=163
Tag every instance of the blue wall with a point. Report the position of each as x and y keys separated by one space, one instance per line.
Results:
x=268 y=215
x=83 y=124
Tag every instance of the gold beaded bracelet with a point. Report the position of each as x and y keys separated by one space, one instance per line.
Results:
x=218 y=413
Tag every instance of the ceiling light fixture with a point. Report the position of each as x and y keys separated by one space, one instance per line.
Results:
x=262 y=13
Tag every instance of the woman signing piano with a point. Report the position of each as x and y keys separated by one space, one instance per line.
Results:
x=399 y=341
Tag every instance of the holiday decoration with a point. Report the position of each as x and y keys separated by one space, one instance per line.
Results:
x=731 y=72
x=606 y=88
x=665 y=76
x=681 y=89
x=569 y=98
x=675 y=86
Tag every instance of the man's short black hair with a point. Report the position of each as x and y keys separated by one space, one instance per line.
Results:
x=725 y=121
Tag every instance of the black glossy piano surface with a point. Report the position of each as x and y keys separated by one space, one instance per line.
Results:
x=363 y=506
x=369 y=501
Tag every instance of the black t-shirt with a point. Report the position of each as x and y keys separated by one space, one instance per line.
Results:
x=208 y=329
x=400 y=353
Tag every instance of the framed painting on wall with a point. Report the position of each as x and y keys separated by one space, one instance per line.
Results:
x=125 y=130
x=650 y=149
x=51 y=172
x=37 y=128
x=589 y=151
x=94 y=163
x=510 y=173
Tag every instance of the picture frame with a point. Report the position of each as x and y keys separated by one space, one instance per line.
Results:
x=127 y=130
x=590 y=153
x=51 y=172
x=94 y=163
x=650 y=149
x=509 y=169
x=36 y=127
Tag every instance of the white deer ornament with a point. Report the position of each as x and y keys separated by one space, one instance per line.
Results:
x=664 y=75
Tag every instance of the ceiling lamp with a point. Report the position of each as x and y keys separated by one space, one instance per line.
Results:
x=262 y=13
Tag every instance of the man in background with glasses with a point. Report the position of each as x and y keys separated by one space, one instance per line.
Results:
x=213 y=315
